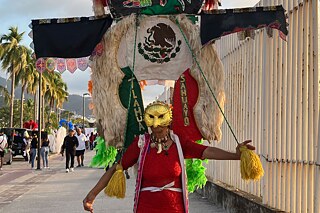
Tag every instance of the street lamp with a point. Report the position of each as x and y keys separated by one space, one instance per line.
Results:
x=83 y=112
x=59 y=113
x=39 y=121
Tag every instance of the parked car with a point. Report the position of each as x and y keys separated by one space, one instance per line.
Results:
x=17 y=143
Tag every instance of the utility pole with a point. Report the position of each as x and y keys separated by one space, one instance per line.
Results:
x=39 y=123
x=83 y=107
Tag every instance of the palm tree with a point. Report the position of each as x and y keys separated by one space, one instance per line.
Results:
x=5 y=94
x=56 y=91
x=26 y=77
x=32 y=88
x=14 y=58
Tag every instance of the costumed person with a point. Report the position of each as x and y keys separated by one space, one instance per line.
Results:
x=52 y=141
x=166 y=45
x=60 y=135
x=161 y=180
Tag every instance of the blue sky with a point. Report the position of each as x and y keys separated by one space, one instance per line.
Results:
x=20 y=13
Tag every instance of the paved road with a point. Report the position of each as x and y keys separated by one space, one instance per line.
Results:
x=23 y=190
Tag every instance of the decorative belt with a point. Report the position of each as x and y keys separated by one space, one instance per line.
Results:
x=159 y=189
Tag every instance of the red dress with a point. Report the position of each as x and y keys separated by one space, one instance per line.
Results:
x=160 y=170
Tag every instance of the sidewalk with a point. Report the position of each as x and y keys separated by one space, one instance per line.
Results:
x=54 y=191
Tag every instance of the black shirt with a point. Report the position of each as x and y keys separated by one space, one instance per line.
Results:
x=34 y=143
x=70 y=143
x=45 y=143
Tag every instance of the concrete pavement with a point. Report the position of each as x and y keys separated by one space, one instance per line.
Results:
x=23 y=190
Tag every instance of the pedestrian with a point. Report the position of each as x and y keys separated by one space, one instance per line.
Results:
x=28 y=139
x=33 y=149
x=87 y=142
x=91 y=140
x=160 y=156
x=45 y=152
x=95 y=136
x=3 y=146
x=69 y=145
x=81 y=148
x=25 y=142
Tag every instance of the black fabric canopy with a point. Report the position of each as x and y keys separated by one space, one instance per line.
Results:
x=74 y=38
x=77 y=37
x=223 y=22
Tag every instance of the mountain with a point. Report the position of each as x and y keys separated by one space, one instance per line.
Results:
x=74 y=103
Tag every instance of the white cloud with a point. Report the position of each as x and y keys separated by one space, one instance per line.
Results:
x=151 y=92
x=77 y=82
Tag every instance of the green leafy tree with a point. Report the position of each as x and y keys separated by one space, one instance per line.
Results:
x=55 y=93
x=26 y=77
x=5 y=113
x=78 y=122
x=13 y=56
x=5 y=94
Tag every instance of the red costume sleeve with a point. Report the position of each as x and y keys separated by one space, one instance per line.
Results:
x=192 y=149
x=131 y=156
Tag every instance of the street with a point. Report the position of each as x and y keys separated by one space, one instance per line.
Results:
x=23 y=190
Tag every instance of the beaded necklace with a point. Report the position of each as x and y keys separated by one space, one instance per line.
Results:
x=159 y=143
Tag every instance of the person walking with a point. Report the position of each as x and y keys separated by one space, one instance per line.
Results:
x=69 y=145
x=91 y=140
x=33 y=149
x=44 y=152
x=81 y=148
x=3 y=146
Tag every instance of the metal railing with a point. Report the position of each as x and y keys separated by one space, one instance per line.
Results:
x=272 y=97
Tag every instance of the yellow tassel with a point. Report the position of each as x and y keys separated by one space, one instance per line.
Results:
x=251 y=167
x=117 y=184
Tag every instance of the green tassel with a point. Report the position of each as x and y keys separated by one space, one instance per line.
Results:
x=196 y=172
x=104 y=155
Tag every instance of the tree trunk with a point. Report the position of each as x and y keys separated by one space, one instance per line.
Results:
x=50 y=110
x=51 y=104
x=58 y=114
x=13 y=79
x=21 y=104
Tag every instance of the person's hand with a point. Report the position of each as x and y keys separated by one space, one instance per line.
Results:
x=88 y=202
x=245 y=143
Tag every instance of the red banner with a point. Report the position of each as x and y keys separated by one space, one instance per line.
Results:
x=50 y=64
x=71 y=65
x=185 y=97
x=41 y=65
x=61 y=64
x=82 y=63
x=98 y=50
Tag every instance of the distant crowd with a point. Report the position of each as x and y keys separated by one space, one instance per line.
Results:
x=26 y=144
